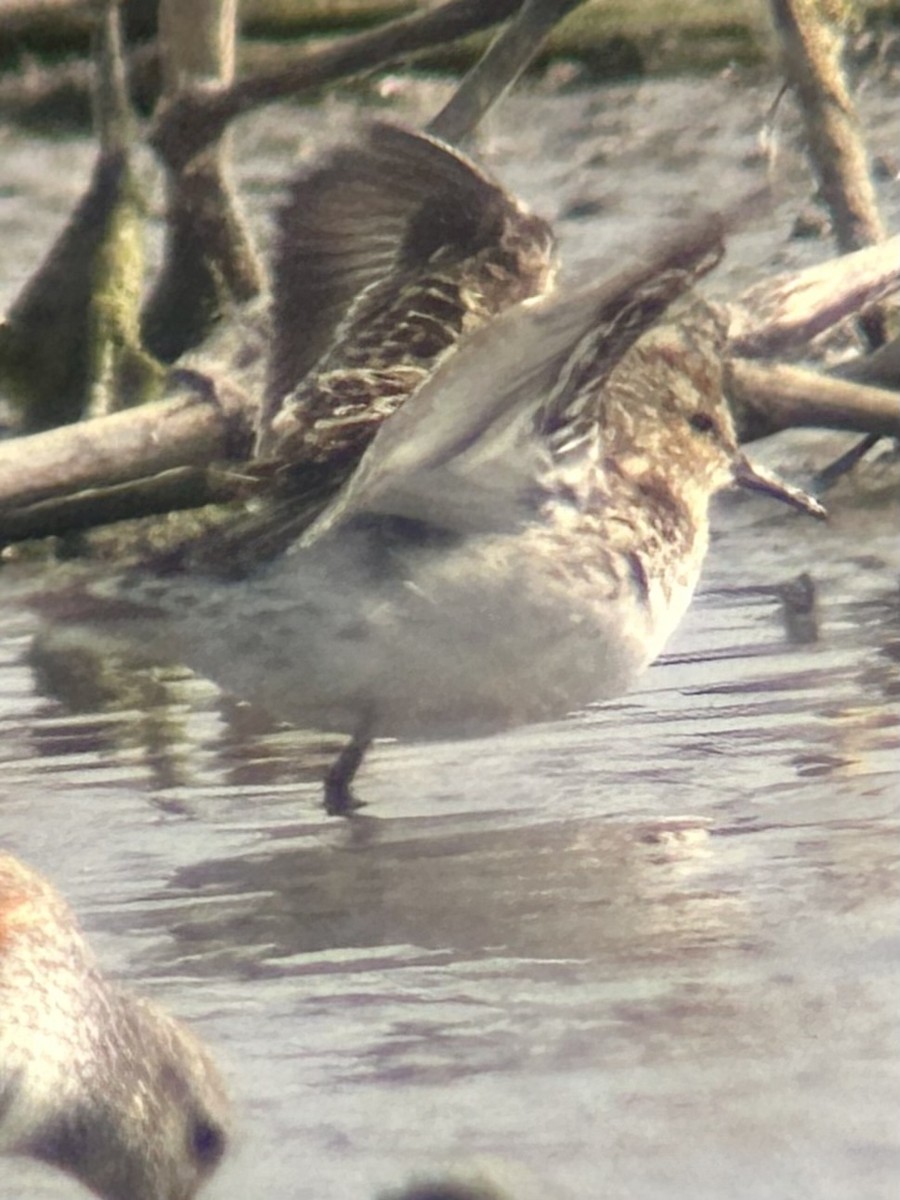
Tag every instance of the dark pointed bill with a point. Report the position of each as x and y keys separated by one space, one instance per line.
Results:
x=758 y=479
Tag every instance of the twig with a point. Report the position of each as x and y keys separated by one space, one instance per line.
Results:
x=196 y=118
x=212 y=422
x=70 y=342
x=498 y=69
x=788 y=310
x=209 y=263
x=770 y=397
x=811 y=54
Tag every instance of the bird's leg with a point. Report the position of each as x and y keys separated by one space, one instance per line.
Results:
x=339 y=798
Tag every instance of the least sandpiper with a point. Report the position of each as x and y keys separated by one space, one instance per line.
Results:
x=93 y=1080
x=523 y=533
x=519 y=540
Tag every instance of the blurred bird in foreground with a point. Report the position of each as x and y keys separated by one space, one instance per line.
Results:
x=93 y=1080
x=521 y=536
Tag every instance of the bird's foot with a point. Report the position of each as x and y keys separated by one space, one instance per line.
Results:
x=340 y=800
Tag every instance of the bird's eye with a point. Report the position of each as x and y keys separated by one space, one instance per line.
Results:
x=701 y=422
x=207 y=1142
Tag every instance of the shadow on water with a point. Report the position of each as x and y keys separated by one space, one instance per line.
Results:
x=461 y=886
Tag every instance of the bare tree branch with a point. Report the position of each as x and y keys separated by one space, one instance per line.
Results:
x=785 y=312
x=212 y=422
x=497 y=70
x=811 y=55
x=773 y=396
x=209 y=262
x=193 y=119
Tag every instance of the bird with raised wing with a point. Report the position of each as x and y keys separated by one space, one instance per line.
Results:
x=519 y=539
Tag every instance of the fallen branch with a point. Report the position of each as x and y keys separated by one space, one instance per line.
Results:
x=171 y=491
x=785 y=312
x=194 y=119
x=497 y=70
x=812 y=48
x=212 y=422
x=773 y=396
x=209 y=263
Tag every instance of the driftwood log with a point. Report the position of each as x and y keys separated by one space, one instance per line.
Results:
x=210 y=421
x=108 y=351
x=192 y=447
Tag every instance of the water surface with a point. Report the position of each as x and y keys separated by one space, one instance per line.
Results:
x=648 y=951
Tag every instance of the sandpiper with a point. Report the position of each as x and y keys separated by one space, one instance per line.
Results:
x=388 y=253
x=94 y=1080
x=519 y=539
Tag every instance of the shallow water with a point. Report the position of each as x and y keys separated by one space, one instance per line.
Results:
x=649 y=951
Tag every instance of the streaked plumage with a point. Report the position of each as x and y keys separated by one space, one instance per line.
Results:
x=388 y=253
x=519 y=539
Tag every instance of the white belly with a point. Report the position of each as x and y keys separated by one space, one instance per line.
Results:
x=493 y=634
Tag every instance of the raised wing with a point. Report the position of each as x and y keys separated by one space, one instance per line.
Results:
x=469 y=430
x=394 y=204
